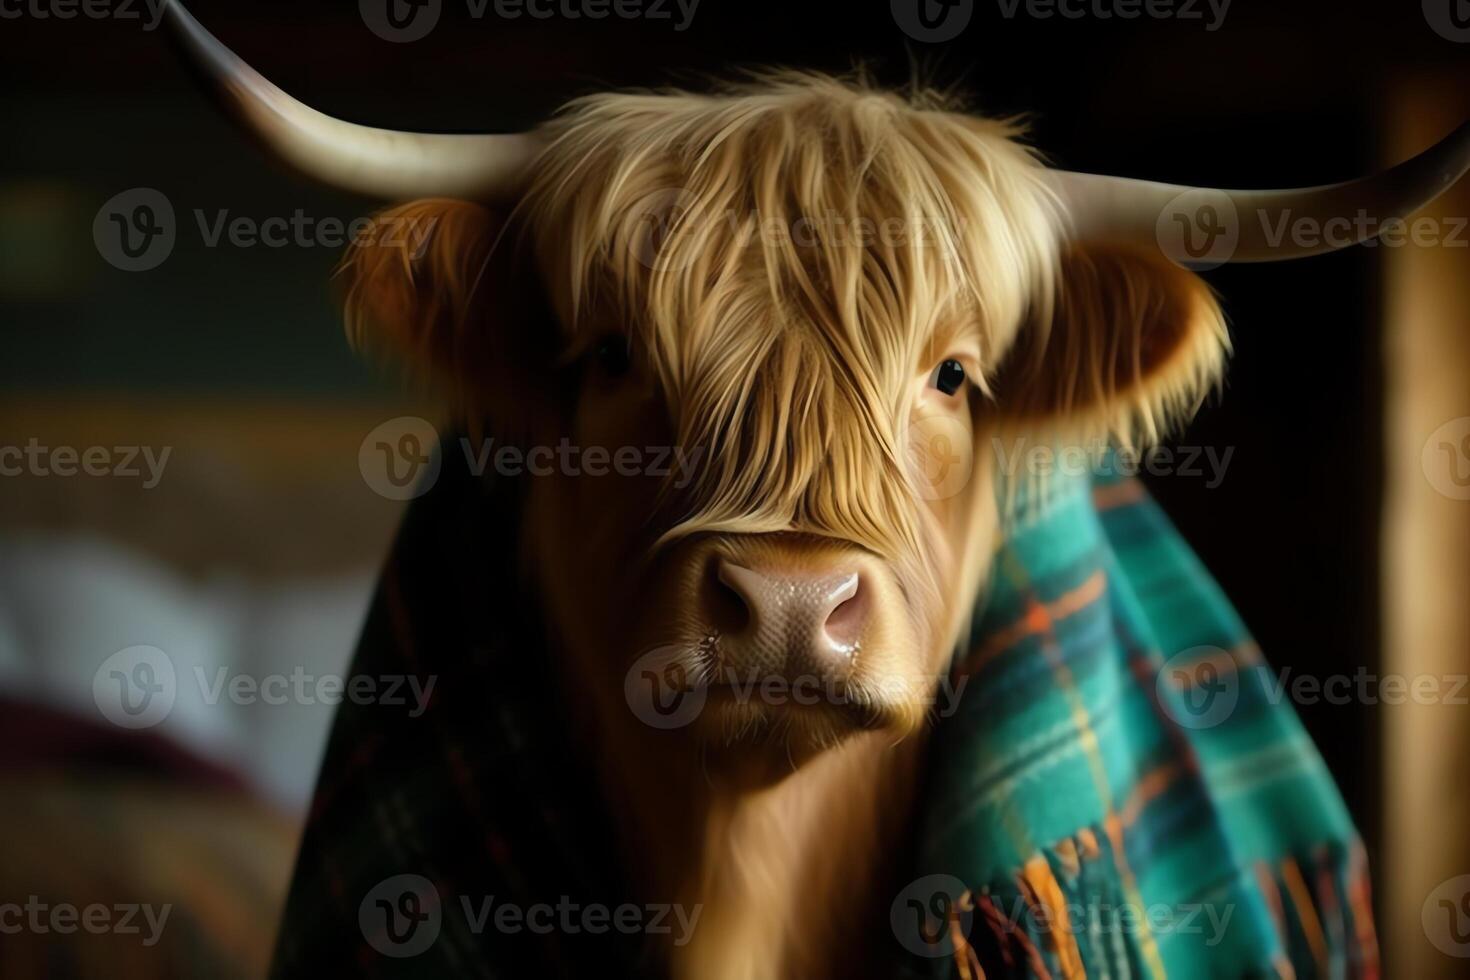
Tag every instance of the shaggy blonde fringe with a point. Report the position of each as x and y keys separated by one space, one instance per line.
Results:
x=786 y=253
x=789 y=355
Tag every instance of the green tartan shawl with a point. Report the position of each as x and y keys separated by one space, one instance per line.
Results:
x=1116 y=793
x=1119 y=793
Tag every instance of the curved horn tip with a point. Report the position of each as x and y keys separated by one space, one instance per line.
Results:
x=1251 y=225
x=380 y=163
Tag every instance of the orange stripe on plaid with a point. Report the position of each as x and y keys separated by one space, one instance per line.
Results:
x=1152 y=785
x=1034 y=959
x=1107 y=496
x=999 y=927
x=1306 y=912
x=1066 y=852
x=966 y=961
x=1360 y=894
x=1038 y=620
x=1266 y=882
x=1045 y=891
x=1225 y=662
x=1334 y=916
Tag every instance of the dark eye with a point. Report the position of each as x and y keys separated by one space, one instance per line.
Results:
x=949 y=376
x=611 y=354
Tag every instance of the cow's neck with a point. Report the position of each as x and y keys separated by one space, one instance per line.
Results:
x=788 y=877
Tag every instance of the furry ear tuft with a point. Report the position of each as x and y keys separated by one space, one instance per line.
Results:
x=1134 y=345
x=409 y=287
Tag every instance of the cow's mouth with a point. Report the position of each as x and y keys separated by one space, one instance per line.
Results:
x=776 y=703
x=759 y=682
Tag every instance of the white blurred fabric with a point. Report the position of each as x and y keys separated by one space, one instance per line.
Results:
x=69 y=603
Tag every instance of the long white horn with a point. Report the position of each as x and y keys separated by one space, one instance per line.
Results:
x=1211 y=226
x=382 y=163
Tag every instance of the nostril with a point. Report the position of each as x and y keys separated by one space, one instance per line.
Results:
x=844 y=623
x=736 y=595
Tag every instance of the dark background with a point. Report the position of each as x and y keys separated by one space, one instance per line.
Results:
x=1281 y=94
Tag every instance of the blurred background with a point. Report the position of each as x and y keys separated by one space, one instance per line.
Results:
x=184 y=426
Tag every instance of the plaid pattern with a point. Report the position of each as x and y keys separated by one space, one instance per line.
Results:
x=1118 y=794
x=1093 y=808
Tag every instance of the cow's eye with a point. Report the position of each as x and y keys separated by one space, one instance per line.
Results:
x=611 y=354
x=949 y=376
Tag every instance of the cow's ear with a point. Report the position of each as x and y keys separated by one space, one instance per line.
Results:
x=1131 y=344
x=429 y=287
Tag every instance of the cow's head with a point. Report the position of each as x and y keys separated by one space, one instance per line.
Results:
x=814 y=305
